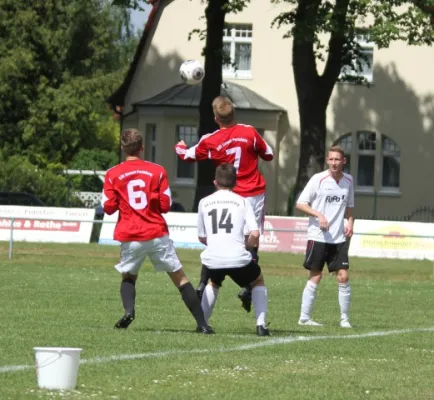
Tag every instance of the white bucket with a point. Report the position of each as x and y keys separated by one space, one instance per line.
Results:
x=57 y=367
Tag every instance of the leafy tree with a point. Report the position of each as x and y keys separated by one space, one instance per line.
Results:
x=91 y=159
x=308 y=21
x=17 y=174
x=60 y=60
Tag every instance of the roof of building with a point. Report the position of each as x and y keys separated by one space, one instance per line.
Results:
x=183 y=95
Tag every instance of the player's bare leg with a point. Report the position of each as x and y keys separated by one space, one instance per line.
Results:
x=128 y=296
x=190 y=299
x=260 y=304
x=344 y=296
x=308 y=299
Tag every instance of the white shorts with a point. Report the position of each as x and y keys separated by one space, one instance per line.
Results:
x=258 y=205
x=161 y=252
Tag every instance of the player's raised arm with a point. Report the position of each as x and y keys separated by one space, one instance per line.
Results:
x=195 y=153
x=262 y=148
x=109 y=199
x=165 y=193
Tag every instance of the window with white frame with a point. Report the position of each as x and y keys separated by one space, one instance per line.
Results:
x=151 y=142
x=373 y=159
x=237 y=44
x=364 y=64
x=187 y=133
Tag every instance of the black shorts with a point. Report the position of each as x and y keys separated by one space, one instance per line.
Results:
x=319 y=253
x=242 y=276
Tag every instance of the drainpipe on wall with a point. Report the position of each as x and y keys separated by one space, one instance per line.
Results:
x=276 y=162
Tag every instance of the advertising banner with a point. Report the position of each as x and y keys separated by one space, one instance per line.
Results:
x=183 y=232
x=390 y=239
x=274 y=239
x=46 y=224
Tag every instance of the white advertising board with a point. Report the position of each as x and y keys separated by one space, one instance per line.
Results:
x=46 y=224
x=386 y=239
x=391 y=239
x=182 y=229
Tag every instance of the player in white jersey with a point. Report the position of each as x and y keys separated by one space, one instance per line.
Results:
x=328 y=199
x=222 y=218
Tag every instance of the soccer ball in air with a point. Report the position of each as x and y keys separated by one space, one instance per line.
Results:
x=192 y=72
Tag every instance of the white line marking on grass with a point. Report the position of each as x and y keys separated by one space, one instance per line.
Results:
x=247 y=346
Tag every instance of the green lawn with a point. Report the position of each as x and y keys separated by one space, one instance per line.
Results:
x=68 y=295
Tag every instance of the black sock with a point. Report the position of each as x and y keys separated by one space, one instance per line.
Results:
x=192 y=302
x=254 y=252
x=128 y=295
x=204 y=275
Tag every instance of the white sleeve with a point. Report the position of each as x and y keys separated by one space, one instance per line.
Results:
x=309 y=191
x=250 y=219
x=350 y=202
x=201 y=231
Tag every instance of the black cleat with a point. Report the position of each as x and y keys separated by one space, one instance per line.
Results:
x=262 y=330
x=125 y=321
x=205 y=330
x=200 y=289
x=245 y=295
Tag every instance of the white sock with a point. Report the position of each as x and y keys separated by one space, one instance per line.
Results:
x=209 y=299
x=344 y=300
x=307 y=300
x=260 y=303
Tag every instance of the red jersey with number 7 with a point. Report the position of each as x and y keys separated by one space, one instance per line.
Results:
x=140 y=191
x=240 y=145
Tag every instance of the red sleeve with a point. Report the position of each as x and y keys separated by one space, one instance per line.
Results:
x=109 y=197
x=262 y=148
x=165 y=194
x=195 y=153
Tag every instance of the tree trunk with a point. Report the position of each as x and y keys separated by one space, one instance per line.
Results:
x=312 y=142
x=211 y=86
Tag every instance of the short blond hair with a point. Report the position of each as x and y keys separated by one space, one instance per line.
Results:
x=131 y=141
x=337 y=149
x=223 y=110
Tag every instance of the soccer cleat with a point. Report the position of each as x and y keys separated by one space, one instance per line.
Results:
x=308 y=322
x=205 y=330
x=345 y=324
x=199 y=290
x=262 y=330
x=125 y=321
x=245 y=295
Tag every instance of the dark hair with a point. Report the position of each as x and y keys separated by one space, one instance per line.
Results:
x=131 y=141
x=223 y=110
x=226 y=176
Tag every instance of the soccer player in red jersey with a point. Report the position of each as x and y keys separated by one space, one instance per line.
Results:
x=140 y=191
x=240 y=145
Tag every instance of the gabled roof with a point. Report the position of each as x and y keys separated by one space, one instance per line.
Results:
x=183 y=95
x=118 y=97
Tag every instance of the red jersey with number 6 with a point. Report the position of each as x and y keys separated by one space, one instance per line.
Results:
x=240 y=145
x=140 y=191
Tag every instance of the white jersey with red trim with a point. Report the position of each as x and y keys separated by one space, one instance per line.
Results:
x=331 y=198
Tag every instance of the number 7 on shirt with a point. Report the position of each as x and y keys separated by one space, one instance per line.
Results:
x=237 y=152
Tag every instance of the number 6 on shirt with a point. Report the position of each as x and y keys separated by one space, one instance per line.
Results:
x=237 y=152
x=136 y=196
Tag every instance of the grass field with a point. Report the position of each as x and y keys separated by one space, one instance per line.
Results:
x=68 y=295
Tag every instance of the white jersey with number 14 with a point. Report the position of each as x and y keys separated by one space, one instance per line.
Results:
x=221 y=219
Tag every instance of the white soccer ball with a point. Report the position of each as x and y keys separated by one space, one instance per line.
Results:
x=192 y=72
